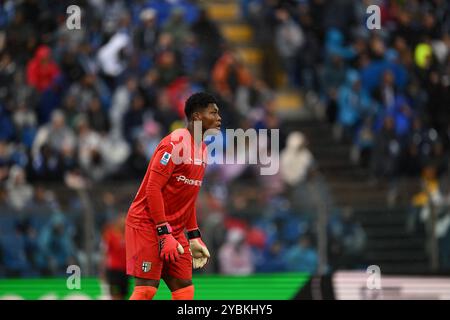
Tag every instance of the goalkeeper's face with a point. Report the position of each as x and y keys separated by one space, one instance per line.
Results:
x=210 y=118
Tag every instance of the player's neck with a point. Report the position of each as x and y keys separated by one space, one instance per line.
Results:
x=197 y=138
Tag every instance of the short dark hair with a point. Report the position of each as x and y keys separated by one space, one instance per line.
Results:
x=198 y=101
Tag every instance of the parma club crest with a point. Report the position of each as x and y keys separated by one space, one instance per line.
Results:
x=146 y=266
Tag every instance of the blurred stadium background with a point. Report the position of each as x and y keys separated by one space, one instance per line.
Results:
x=364 y=119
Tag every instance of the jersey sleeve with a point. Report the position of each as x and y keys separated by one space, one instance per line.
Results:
x=191 y=223
x=163 y=162
x=160 y=171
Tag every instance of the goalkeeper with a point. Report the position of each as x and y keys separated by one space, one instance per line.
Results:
x=164 y=208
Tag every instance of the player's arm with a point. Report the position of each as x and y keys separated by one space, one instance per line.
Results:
x=199 y=251
x=160 y=172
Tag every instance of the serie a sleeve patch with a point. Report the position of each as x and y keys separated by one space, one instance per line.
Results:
x=165 y=158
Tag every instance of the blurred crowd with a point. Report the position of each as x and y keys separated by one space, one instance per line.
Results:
x=87 y=107
x=387 y=91
x=94 y=102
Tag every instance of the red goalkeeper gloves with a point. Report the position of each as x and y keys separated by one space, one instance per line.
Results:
x=199 y=251
x=169 y=248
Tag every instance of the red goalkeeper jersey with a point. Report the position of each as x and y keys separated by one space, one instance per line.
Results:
x=171 y=184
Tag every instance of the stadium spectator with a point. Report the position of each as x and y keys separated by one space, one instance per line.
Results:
x=56 y=249
x=13 y=253
x=289 y=39
x=121 y=100
x=89 y=155
x=235 y=256
x=272 y=259
x=361 y=152
x=112 y=60
x=147 y=32
x=229 y=74
x=192 y=59
x=296 y=160
x=113 y=268
x=164 y=113
x=21 y=37
x=42 y=70
x=25 y=123
x=209 y=37
x=354 y=104
x=302 y=257
x=89 y=87
x=298 y=172
x=42 y=201
x=386 y=151
x=8 y=130
x=97 y=117
x=167 y=60
x=443 y=235
x=19 y=191
x=8 y=69
x=430 y=194
x=134 y=119
x=137 y=162
x=333 y=75
x=347 y=240
x=5 y=161
x=177 y=27
x=53 y=135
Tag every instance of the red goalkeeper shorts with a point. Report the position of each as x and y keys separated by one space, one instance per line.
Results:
x=143 y=259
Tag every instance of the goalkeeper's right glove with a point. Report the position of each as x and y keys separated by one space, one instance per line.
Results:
x=169 y=248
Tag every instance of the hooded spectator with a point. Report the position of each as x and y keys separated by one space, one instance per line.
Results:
x=56 y=246
x=354 y=103
x=296 y=160
x=42 y=70
x=19 y=191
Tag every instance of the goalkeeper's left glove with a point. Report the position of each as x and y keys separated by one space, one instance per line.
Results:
x=199 y=251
